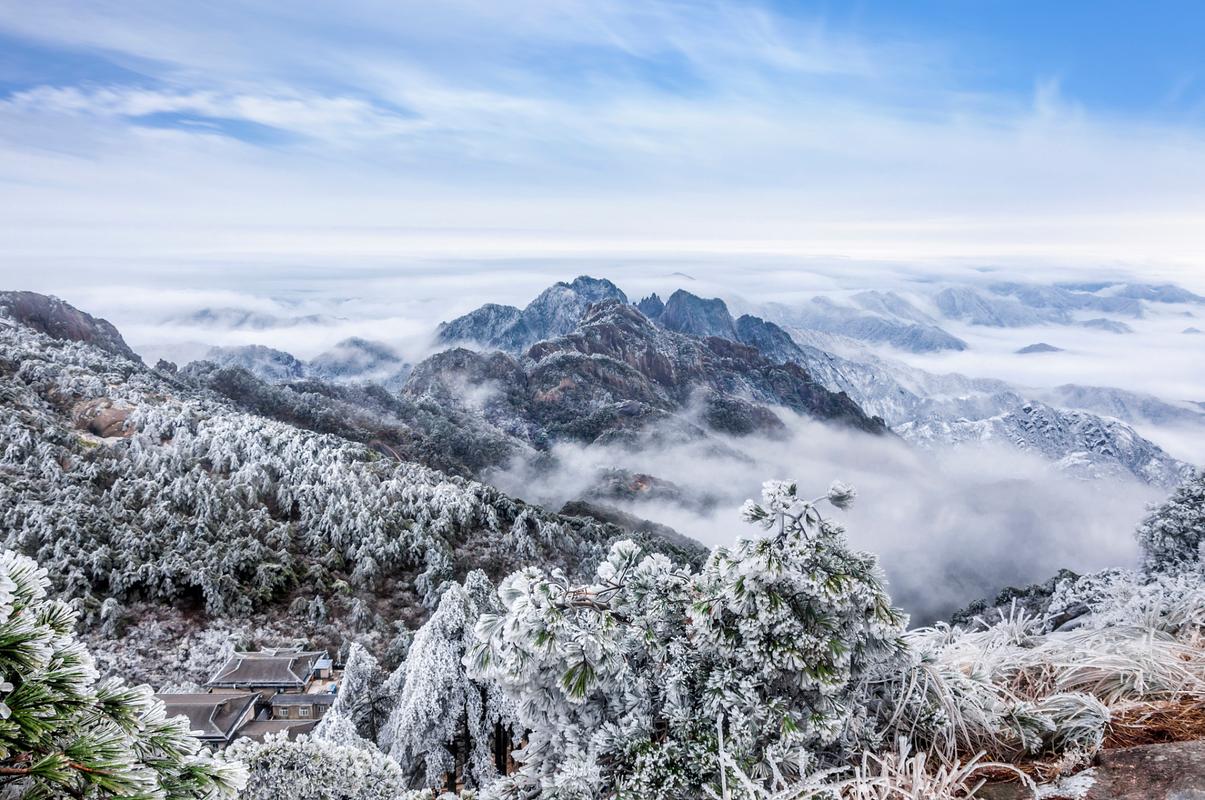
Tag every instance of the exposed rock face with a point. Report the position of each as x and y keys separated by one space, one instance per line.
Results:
x=651 y=306
x=771 y=340
x=554 y=313
x=635 y=360
x=617 y=373
x=103 y=417
x=692 y=315
x=1172 y=771
x=59 y=320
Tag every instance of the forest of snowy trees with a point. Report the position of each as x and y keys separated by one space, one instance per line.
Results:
x=494 y=650
x=198 y=506
x=778 y=670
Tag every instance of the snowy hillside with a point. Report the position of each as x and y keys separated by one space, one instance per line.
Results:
x=134 y=487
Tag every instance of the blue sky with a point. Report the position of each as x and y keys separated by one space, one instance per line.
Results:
x=157 y=129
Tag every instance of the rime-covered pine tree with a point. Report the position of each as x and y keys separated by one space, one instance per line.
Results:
x=444 y=720
x=361 y=700
x=63 y=733
x=1172 y=534
x=315 y=768
x=621 y=683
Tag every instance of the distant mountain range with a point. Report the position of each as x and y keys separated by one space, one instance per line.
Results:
x=246 y=319
x=351 y=360
x=581 y=362
x=948 y=410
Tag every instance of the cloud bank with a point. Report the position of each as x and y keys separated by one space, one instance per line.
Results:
x=949 y=527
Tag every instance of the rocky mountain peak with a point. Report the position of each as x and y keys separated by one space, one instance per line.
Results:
x=651 y=306
x=555 y=312
x=356 y=357
x=690 y=314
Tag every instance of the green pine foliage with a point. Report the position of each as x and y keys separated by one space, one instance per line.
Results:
x=64 y=733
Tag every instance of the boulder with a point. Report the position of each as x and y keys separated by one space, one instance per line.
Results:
x=1171 y=771
x=103 y=417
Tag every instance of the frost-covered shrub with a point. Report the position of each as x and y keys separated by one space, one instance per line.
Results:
x=1171 y=536
x=65 y=734
x=1171 y=602
x=620 y=682
x=313 y=768
x=1016 y=689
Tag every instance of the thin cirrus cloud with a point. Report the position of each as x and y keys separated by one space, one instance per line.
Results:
x=145 y=127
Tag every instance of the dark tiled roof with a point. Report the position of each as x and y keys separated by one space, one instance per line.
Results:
x=212 y=716
x=270 y=668
x=298 y=699
x=259 y=728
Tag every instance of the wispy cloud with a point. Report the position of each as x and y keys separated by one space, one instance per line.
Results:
x=631 y=124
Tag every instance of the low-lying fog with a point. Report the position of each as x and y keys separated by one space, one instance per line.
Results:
x=948 y=527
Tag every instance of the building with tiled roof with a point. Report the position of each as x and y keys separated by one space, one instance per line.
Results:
x=215 y=717
x=313 y=705
x=269 y=671
x=260 y=729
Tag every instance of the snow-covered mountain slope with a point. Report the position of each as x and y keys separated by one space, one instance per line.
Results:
x=554 y=313
x=1079 y=443
x=145 y=487
x=1131 y=407
x=53 y=317
x=360 y=360
x=266 y=363
x=938 y=406
x=953 y=409
x=903 y=333
x=353 y=360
